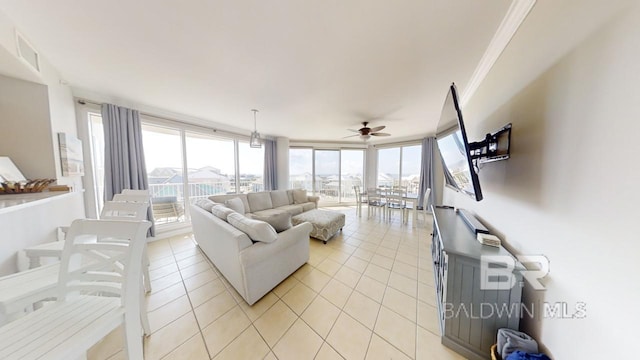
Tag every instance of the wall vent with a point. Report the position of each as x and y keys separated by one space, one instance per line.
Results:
x=27 y=53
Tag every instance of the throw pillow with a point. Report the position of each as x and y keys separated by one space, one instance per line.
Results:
x=221 y=211
x=206 y=204
x=280 y=222
x=299 y=196
x=235 y=204
x=256 y=229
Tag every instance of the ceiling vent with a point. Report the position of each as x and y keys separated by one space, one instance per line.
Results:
x=27 y=53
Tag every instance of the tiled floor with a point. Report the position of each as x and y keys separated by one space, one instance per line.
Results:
x=368 y=293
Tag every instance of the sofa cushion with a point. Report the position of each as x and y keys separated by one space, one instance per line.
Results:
x=256 y=229
x=279 y=198
x=280 y=222
x=221 y=212
x=290 y=196
x=268 y=212
x=259 y=201
x=205 y=204
x=236 y=205
x=299 y=196
x=291 y=209
x=222 y=198
x=308 y=206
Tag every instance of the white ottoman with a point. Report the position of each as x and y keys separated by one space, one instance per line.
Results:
x=325 y=223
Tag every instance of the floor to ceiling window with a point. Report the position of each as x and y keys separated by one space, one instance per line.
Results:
x=389 y=167
x=330 y=174
x=184 y=163
x=211 y=164
x=327 y=175
x=411 y=166
x=251 y=163
x=165 y=170
x=400 y=166
x=351 y=174
x=301 y=169
x=96 y=136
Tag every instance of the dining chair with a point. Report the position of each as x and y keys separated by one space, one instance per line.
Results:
x=356 y=189
x=23 y=295
x=97 y=291
x=425 y=205
x=376 y=201
x=396 y=201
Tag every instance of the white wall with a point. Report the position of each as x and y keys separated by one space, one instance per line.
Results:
x=31 y=115
x=570 y=189
x=35 y=114
x=26 y=131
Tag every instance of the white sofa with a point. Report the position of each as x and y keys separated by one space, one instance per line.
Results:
x=252 y=268
x=267 y=203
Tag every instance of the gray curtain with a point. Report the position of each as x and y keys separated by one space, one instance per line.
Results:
x=270 y=165
x=124 y=166
x=427 y=179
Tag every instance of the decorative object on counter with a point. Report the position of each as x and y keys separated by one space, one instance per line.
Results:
x=27 y=186
x=70 y=155
x=59 y=188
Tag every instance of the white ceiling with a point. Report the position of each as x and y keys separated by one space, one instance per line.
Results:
x=312 y=68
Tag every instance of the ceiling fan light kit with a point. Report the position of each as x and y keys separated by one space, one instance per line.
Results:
x=255 y=141
x=365 y=132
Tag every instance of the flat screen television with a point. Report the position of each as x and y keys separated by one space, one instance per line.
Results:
x=454 y=148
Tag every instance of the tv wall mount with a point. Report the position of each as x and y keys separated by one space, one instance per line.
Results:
x=494 y=147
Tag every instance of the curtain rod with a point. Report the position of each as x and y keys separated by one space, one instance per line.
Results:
x=84 y=102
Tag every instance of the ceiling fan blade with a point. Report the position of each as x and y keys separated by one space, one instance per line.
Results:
x=380 y=134
x=353 y=130
x=351 y=136
x=377 y=128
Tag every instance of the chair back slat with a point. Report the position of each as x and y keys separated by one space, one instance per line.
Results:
x=131 y=198
x=136 y=192
x=114 y=210
x=115 y=262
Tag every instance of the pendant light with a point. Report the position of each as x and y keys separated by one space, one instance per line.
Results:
x=255 y=141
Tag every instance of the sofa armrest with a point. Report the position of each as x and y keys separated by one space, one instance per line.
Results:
x=313 y=199
x=260 y=251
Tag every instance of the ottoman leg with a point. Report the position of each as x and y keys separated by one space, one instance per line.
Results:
x=324 y=242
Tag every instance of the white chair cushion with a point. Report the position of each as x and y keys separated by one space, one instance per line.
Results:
x=299 y=196
x=256 y=229
x=236 y=205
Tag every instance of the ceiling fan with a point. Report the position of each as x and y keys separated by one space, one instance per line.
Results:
x=366 y=132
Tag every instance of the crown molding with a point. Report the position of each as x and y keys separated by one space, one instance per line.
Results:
x=515 y=16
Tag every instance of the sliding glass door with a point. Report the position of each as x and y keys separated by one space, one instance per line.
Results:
x=301 y=169
x=327 y=175
x=164 y=160
x=251 y=163
x=351 y=174
x=211 y=165
x=330 y=174
x=400 y=166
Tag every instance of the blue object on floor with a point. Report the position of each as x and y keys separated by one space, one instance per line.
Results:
x=520 y=355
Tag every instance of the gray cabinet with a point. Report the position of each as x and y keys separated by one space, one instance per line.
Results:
x=470 y=312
